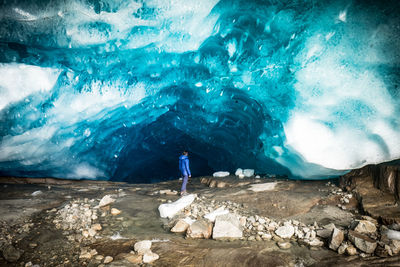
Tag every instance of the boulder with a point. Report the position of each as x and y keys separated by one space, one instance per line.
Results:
x=180 y=227
x=134 y=258
x=286 y=231
x=170 y=209
x=200 y=229
x=248 y=172
x=324 y=233
x=149 y=257
x=212 y=184
x=142 y=246
x=106 y=200
x=365 y=226
x=220 y=174
x=221 y=184
x=11 y=254
x=395 y=246
x=362 y=242
x=227 y=226
x=336 y=239
x=342 y=249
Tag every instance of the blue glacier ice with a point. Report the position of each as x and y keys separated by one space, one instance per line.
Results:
x=116 y=89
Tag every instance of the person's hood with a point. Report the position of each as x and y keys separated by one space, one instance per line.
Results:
x=183 y=157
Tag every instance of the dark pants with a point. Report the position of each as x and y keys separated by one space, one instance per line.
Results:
x=184 y=183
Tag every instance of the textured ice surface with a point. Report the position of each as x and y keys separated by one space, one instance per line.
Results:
x=116 y=89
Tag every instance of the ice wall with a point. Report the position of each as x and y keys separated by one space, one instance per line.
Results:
x=116 y=89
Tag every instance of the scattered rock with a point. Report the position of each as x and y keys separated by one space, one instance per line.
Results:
x=108 y=259
x=336 y=239
x=142 y=246
x=284 y=245
x=134 y=258
x=106 y=200
x=221 y=184
x=362 y=242
x=96 y=227
x=383 y=251
x=227 y=226
x=395 y=246
x=149 y=257
x=342 y=248
x=200 y=229
x=168 y=192
x=11 y=254
x=85 y=255
x=364 y=226
x=286 y=231
x=324 y=233
x=115 y=211
x=351 y=250
x=92 y=232
x=180 y=227
x=312 y=242
x=99 y=257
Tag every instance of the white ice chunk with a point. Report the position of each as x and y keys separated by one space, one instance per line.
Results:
x=20 y=80
x=168 y=210
x=392 y=234
x=106 y=200
x=36 y=193
x=248 y=172
x=212 y=215
x=238 y=172
x=221 y=174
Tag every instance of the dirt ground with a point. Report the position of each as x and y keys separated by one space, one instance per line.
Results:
x=28 y=225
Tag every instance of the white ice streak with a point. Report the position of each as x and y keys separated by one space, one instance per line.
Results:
x=175 y=26
x=344 y=118
x=20 y=80
x=94 y=98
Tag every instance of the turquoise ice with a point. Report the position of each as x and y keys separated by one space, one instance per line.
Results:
x=116 y=89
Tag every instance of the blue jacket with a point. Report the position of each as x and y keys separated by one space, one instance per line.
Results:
x=184 y=165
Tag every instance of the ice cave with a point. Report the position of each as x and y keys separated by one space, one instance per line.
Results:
x=115 y=90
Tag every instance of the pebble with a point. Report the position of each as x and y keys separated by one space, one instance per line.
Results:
x=108 y=259
x=115 y=211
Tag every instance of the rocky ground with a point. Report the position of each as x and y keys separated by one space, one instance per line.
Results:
x=228 y=222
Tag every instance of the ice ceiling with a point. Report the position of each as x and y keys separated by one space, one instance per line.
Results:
x=116 y=89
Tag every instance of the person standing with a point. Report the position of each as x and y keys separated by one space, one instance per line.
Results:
x=185 y=170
